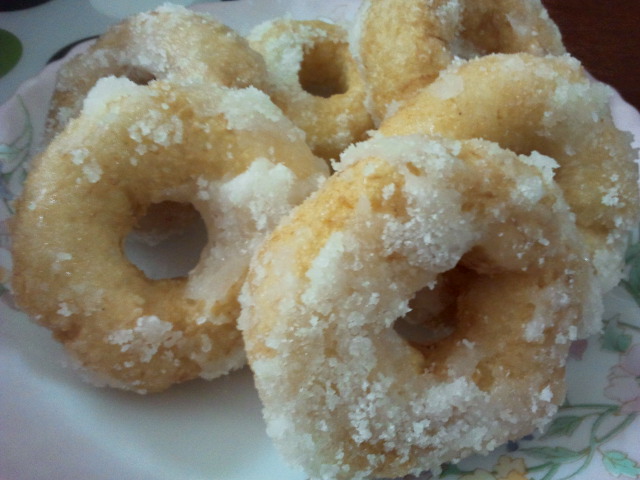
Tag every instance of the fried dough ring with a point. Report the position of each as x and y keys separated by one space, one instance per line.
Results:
x=344 y=395
x=545 y=104
x=315 y=81
x=402 y=45
x=169 y=43
x=231 y=153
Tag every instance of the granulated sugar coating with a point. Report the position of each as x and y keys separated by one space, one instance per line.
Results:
x=402 y=45
x=345 y=396
x=419 y=307
x=169 y=43
x=547 y=105
x=230 y=153
x=315 y=81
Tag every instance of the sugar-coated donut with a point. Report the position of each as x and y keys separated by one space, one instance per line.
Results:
x=169 y=43
x=545 y=104
x=231 y=153
x=401 y=45
x=345 y=396
x=315 y=81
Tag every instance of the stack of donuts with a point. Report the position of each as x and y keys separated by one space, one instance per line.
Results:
x=410 y=218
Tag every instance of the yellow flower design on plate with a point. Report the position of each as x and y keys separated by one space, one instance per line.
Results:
x=506 y=468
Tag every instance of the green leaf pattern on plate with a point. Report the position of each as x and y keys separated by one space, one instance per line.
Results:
x=578 y=439
x=563 y=426
x=14 y=158
x=618 y=463
x=614 y=338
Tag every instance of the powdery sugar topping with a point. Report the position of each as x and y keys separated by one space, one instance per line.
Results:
x=448 y=86
x=156 y=128
x=284 y=50
x=251 y=109
x=105 y=91
x=239 y=211
x=145 y=339
x=347 y=410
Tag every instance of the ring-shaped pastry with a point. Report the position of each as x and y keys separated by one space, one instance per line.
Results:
x=548 y=105
x=231 y=153
x=402 y=45
x=315 y=81
x=169 y=43
x=345 y=395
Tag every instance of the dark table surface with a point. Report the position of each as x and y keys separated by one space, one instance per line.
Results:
x=605 y=36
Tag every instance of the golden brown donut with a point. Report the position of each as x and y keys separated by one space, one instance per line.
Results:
x=231 y=153
x=401 y=45
x=168 y=43
x=345 y=396
x=315 y=81
x=548 y=105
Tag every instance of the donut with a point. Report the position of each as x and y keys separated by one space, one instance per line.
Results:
x=545 y=104
x=169 y=43
x=315 y=81
x=345 y=395
x=401 y=45
x=228 y=152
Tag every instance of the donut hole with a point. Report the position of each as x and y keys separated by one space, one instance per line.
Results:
x=138 y=75
x=323 y=72
x=483 y=33
x=167 y=240
x=439 y=324
x=421 y=333
x=432 y=313
x=491 y=30
x=434 y=324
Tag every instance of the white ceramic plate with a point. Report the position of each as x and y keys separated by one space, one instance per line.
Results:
x=53 y=426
